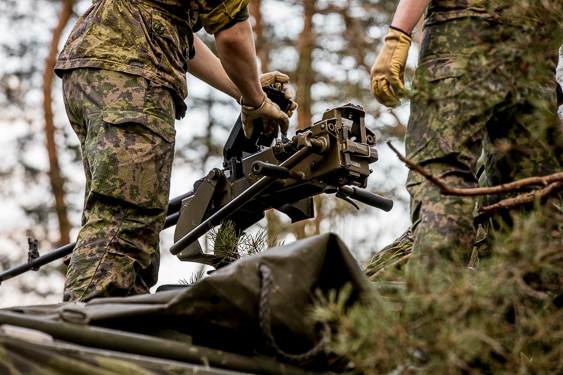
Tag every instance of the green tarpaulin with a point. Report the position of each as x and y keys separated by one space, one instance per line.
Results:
x=249 y=317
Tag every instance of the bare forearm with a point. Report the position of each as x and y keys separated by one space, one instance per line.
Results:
x=238 y=57
x=207 y=67
x=408 y=14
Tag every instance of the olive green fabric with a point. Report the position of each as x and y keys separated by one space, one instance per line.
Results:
x=222 y=310
x=456 y=115
x=223 y=15
x=391 y=254
x=125 y=125
x=149 y=38
x=446 y=10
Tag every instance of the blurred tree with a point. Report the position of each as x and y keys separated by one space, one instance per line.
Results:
x=55 y=174
x=38 y=149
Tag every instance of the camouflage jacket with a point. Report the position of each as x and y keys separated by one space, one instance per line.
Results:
x=149 y=38
x=445 y=10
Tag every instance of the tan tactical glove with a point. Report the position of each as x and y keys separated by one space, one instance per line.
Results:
x=270 y=113
x=267 y=79
x=278 y=79
x=388 y=70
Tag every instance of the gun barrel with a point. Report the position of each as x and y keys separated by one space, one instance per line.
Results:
x=173 y=214
x=38 y=262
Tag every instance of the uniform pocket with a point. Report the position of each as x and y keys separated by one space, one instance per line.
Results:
x=128 y=161
x=440 y=68
x=158 y=125
x=173 y=44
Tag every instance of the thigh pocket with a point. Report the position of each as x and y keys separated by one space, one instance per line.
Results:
x=434 y=130
x=131 y=158
x=438 y=68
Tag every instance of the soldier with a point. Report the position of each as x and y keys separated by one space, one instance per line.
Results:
x=458 y=109
x=124 y=82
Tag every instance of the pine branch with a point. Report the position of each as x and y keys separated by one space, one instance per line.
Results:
x=553 y=184
x=504 y=188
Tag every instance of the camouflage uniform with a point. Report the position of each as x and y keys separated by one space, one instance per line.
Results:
x=124 y=81
x=391 y=255
x=450 y=124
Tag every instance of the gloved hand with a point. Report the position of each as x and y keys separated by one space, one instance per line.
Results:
x=388 y=70
x=271 y=115
x=278 y=79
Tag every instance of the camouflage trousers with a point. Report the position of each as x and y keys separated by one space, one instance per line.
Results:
x=125 y=126
x=454 y=119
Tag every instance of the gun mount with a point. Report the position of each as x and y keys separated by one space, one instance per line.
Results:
x=331 y=156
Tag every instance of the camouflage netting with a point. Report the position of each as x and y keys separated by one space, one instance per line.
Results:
x=215 y=322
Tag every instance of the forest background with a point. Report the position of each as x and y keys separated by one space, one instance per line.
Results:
x=326 y=47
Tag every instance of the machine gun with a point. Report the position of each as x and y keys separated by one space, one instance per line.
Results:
x=332 y=156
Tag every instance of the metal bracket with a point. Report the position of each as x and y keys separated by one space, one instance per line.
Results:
x=32 y=253
x=193 y=214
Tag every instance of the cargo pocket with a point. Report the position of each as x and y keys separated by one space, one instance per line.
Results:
x=131 y=159
x=439 y=68
x=160 y=125
x=436 y=110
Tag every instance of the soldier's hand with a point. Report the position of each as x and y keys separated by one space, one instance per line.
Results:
x=280 y=80
x=271 y=115
x=388 y=70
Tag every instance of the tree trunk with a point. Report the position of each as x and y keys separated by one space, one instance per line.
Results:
x=55 y=175
x=305 y=75
x=261 y=48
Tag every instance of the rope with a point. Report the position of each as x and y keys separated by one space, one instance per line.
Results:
x=264 y=315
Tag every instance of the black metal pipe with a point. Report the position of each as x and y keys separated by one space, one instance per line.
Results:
x=135 y=343
x=173 y=213
x=273 y=170
x=38 y=262
x=367 y=197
